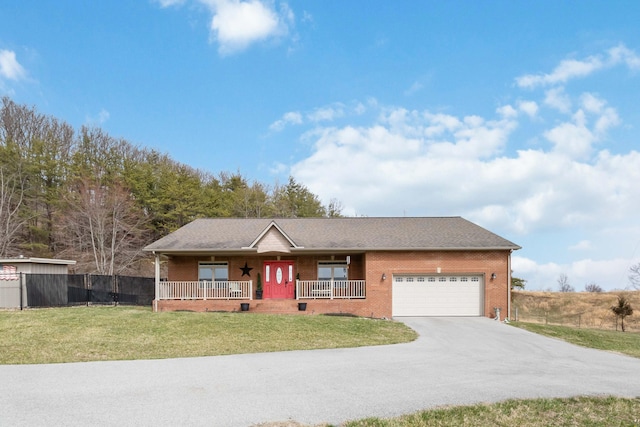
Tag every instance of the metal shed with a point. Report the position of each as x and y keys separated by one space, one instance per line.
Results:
x=13 y=293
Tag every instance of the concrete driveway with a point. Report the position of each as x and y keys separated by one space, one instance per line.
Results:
x=455 y=361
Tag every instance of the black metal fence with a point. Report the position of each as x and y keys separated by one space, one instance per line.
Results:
x=54 y=290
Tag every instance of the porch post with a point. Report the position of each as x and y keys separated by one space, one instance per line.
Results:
x=157 y=282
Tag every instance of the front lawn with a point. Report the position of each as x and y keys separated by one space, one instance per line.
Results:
x=119 y=333
x=578 y=411
x=621 y=342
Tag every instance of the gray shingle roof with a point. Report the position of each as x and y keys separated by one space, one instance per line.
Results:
x=308 y=234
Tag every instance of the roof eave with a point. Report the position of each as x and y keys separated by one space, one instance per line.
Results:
x=246 y=250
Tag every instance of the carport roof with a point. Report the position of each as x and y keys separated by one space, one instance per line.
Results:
x=338 y=234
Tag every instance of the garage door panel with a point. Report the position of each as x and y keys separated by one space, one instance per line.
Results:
x=437 y=295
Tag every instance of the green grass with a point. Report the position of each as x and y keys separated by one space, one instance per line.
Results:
x=626 y=343
x=579 y=411
x=123 y=333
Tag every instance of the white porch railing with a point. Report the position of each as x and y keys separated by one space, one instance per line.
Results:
x=206 y=290
x=330 y=289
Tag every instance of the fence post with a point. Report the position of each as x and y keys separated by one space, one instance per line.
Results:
x=20 y=289
x=579 y=320
x=115 y=290
x=87 y=286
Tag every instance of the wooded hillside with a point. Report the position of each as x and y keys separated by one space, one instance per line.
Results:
x=87 y=196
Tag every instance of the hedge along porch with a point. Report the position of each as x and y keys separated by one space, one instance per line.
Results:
x=378 y=267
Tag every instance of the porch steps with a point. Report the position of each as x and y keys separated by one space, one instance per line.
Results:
x=275 y=306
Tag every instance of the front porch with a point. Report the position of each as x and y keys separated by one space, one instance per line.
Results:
x=311 y=297
x=243 y=290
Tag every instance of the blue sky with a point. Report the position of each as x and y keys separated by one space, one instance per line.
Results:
x=520 y=116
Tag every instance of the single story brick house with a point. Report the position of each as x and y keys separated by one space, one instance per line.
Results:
x=374 y=267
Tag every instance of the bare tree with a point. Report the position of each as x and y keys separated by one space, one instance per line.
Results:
x=634 y=275
x=592 y=287
x=37 y=149
x=334 y=210
x=11 y=198
x=563 y=284
x=103 y=228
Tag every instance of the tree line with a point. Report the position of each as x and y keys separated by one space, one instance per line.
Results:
x=87 y=196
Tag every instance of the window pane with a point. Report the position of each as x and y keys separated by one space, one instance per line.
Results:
x=222 y=273
x=324 y=273
x=340 y=273
x=205 y=272
x=209 y=271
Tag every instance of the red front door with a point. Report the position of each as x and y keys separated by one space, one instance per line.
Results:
x=278 y=280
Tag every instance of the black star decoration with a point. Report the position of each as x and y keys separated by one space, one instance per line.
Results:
x=246 y=270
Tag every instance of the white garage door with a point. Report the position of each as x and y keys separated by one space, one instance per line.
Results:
x=419 y=295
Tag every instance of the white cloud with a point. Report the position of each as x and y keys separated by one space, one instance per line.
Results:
x=572 y=139
x=428 y=163
x=359 y=109
x=307 y=17
x=290 y=118
x=622 y=54
x=169 y=3
x=557 y=98
x=582 y=245
x=415 y=87
x=576 y=138
x=592 y=103
x=279 y=168
x=565 y=71
x=326 y=114
x=569 y=69
x=103 y=116
x=10 y=68
x=507 y=112
x=530 y=108
x=609 y=274
x=608 y=116
x=608 y=119
x=98 y=119
x=237 y=24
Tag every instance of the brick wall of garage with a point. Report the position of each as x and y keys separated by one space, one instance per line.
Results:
x=379 y=291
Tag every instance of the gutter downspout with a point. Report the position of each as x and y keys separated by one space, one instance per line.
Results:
x=509 y=285
x=157 y=282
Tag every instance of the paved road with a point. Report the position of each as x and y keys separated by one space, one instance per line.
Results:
x=455 y=361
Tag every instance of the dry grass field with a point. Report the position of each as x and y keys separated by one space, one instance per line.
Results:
x=579 y=309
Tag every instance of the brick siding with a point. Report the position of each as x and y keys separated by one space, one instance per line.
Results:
x=369 y=266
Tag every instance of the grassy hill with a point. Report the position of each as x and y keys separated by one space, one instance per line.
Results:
x=580 y=309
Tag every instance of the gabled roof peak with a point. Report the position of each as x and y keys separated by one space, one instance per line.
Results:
x=268 y=229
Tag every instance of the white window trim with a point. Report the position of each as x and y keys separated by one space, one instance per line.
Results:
x=333 y=265
x=213 y=265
